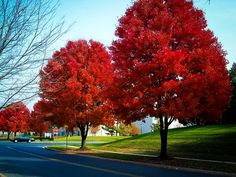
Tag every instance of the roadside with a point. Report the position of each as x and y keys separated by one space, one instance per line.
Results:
x=151 y=161
x=199 y=147
x=225 y=168
x=180 y=158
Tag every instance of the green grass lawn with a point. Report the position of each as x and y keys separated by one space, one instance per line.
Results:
x=104 y=139
x=216 y=142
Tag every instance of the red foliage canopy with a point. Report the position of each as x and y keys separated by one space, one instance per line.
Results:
x=73 y=81
x=167 y=63
x=39 y=121
x=3 y=121
x=15 y=118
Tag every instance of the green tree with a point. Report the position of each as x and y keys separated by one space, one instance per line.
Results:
x=155 y=127
x=111 y=130
x=128 y=129
x=230 y=114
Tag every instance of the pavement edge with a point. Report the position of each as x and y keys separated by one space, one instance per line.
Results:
x=151 y=165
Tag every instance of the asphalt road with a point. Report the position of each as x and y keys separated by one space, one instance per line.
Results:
x=30 y=159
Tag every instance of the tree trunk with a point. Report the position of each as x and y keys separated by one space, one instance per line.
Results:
x=8 y=135
x=84 y=132
x=14 y=134
x=163 y=133
x=83 y=140
x=41 y=136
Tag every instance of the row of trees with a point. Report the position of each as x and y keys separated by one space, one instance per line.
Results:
x=122 y=129
x=164 y=63
x=17 y=118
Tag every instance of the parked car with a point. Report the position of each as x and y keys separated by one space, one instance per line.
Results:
x=27 y=139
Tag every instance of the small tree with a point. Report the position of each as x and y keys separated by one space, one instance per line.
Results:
x=38 y=122
x=167 y=65
x=230 y=114
x=2 y=122
x=134 y=129
x=94 y=130
x=16 y=118
x=155 y=127
x=128 y=129
x=74 y=81
x=110 y=129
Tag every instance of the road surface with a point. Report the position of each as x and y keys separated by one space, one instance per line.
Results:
x=31 y=160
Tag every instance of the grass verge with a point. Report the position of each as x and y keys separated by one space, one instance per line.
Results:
x=221 y=167
x=105 y=139
x=215 y=142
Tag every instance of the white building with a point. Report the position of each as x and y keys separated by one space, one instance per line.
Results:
x=100 y=132
x=145 y=124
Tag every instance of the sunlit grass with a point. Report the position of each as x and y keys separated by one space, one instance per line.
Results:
x=90 y=138
x=216 y=142
x=207 y=142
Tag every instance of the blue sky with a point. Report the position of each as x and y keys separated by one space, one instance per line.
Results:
x=97 y=19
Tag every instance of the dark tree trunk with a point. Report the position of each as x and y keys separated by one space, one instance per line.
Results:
x=198 y=122
x=8 y=135
x=41 y=136
x=163 y=133
x=84 y=132
x=14 y=134
x=83 y=140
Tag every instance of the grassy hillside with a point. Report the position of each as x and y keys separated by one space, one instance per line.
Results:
x=90 y=138
x=217 y=142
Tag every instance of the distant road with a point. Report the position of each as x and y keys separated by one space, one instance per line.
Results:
x=31 y=160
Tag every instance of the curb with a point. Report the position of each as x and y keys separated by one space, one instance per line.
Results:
x=203 y=160
x=150 y=164
x=45 y=147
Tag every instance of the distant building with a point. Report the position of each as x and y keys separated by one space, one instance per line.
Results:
x=100 y=132
x=145 y=124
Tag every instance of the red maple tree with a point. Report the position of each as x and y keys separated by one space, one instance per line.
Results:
x=39 y=123
x=73 y=83
x=168 y=65
x=2 y=122
x=15 y=118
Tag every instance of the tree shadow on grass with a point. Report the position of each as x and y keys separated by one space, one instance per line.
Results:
x=135 y=137
x=218 y=147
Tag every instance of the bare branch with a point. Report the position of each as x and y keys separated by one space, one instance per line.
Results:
x=27 y=31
